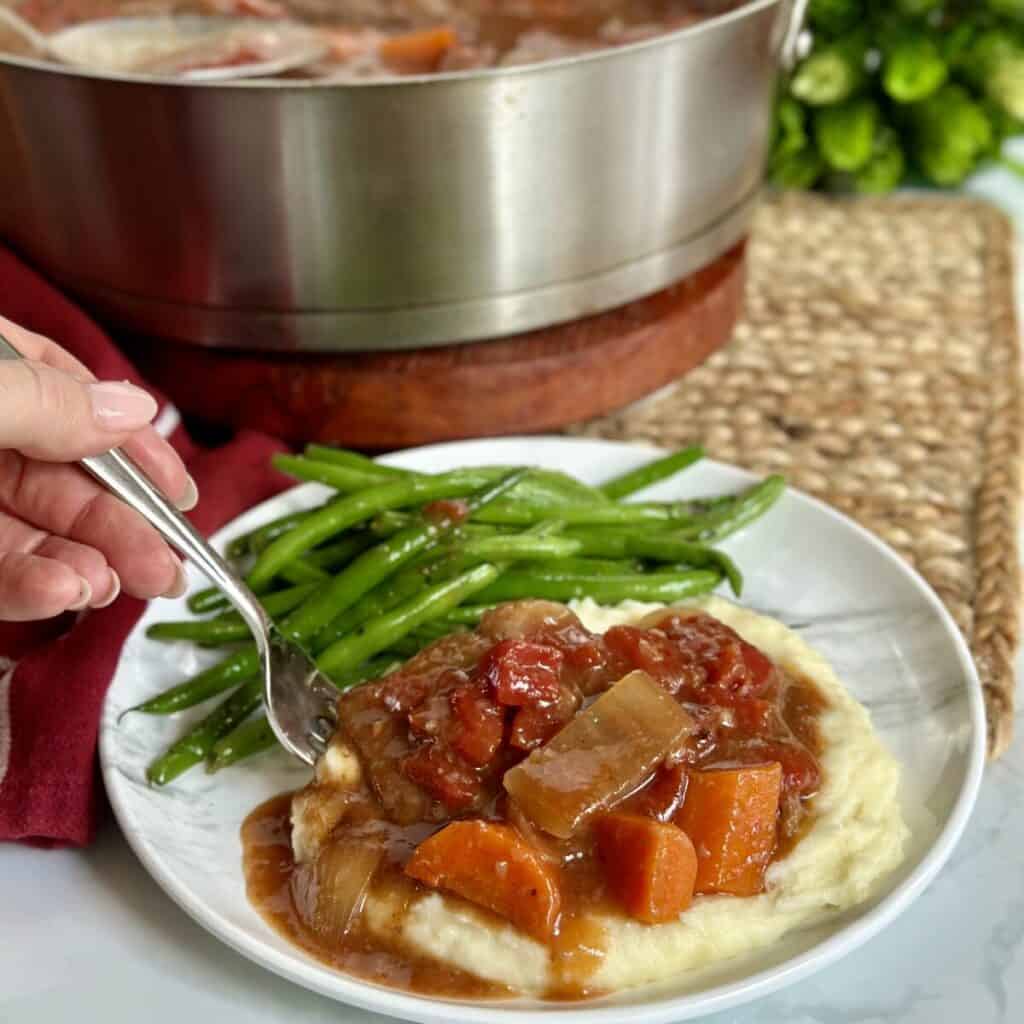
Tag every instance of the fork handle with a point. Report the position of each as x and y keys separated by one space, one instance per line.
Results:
x=124 y=479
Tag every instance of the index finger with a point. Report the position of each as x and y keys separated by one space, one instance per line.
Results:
x=155 y=455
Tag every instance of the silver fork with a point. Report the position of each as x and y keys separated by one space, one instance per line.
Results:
x=300 y=703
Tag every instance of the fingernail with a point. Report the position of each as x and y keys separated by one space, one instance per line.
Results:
x=190 y=498
x=180 y=585
x=114 y=591
x=84 y=596
x=118 y=406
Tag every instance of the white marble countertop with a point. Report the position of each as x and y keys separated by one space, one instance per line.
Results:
x=88 y=937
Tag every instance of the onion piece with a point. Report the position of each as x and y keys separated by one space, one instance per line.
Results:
x=601 y=756
x=330 y=893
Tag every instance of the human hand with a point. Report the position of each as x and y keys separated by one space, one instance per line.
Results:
x=65 y=542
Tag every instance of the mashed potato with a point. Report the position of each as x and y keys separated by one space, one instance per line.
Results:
x=857 y=836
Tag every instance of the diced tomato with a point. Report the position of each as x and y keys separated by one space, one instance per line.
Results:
x=535 y=724
x=739 y=668
x=446 y=510
x=584 y=656
x=478 y=725
x=653 y=652
x=727 y=661
x=754 y=716
x=443 y=777
x=533 y=727
x=522 y=673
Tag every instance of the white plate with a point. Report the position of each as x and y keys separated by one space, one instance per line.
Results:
x=883 y=629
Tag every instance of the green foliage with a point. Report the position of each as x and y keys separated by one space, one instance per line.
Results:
x=845 y=134
x=899 y=88
x=834 y=17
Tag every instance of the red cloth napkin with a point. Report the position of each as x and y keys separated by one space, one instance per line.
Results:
x=50 y=701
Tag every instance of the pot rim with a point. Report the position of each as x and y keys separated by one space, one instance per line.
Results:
x=436 y=79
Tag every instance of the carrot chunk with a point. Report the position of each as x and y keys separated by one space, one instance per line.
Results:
x=414 y=52
x=493 y=866
x=731 y=815
x=650 y=866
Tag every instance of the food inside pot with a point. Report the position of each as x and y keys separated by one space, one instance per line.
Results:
x=541 y=780
x=385 y=38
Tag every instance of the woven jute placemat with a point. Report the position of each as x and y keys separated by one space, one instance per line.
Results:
x=877 y=366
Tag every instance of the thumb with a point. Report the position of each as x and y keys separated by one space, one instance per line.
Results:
x=53 y=415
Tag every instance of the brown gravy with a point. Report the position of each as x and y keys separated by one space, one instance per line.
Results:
x=578 y=947
x=269 y=865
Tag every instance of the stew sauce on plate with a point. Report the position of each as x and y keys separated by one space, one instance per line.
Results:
x=544 y=776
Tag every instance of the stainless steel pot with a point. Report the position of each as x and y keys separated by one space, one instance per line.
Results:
x=395 y=214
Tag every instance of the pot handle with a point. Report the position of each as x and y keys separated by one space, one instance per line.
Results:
x=791 y=36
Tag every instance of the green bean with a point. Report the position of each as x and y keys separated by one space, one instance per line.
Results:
x=230 y=625
x=340 y=553
x=263 y=535
x=555 y=486
x=303 y=571
x=514 y=547
x=382 y=632
x=387 y=523
x=407 y=647
x=554 y=482
x=213 y=600
x=345 y=457
x=605 y=541
x=196 y=743
x=619 y=545
x=382 y=598
x=225 y=629
x=540 y=486
x=436 y=630
x=246 y=740
x=391 y=522
x=380 y=562
x=661 y=548
x=236 y=668
x=345 y=479
x=523 y=514
x=467 y=614
x=208 y=600
x=586 y=566
x=458 y=556
x=728 y=518
x=554 y=586
x=331 y=556
x=393 y=591
x=653 y=472
x=403 y=585
x=243 y=545
x=329 y=521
